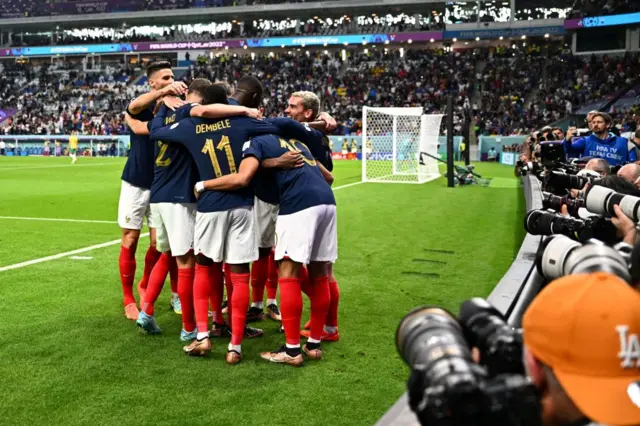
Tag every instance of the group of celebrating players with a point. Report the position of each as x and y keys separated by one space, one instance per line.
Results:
x=231 y=200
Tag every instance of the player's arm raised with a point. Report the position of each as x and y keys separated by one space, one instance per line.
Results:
x=138 y=127
x=143 y=102
x=222 y=110
x=248 y=168
x=288 y=160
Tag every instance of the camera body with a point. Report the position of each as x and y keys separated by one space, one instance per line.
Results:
x=446 y=387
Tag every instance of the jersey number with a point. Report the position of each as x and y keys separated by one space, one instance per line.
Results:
x=163 y=150
x=291 y=146
x=224 y=145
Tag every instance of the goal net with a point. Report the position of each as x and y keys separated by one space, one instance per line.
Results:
x=392 y=142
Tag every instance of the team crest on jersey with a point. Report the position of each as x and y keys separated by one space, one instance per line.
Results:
x=629 y=347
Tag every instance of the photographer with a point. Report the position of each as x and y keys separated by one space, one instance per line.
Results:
x=601 y=143
x=598 y=165
x=631 y=173
x=581 y=350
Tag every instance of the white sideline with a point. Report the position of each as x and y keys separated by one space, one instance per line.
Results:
x=347 y=185
x=55 y=219
x=65 y=254
x=59 y=165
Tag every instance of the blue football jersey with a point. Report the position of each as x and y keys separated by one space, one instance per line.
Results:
x=139 y=168
x=175 y=173
x=299 y=188
x=315 y=140
x=216 y=148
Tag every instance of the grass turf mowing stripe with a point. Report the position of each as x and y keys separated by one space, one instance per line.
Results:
x=55 y=219
x=65 y=254
x=3 y=169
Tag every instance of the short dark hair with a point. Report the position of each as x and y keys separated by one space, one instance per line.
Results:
x=619 y=184
x=215 y=94
x=606 y=117
x=226 y=86
x=638 y=134
x=157 y=66
x=253 y=88
x=198 y=86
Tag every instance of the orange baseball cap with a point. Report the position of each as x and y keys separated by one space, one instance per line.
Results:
x=586 y=328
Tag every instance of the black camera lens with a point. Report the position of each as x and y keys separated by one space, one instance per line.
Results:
x=485 y=328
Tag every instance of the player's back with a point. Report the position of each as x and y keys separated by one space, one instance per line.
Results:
x=299 y=188
x=316 y=141
x=139 y=168
x=175 y=173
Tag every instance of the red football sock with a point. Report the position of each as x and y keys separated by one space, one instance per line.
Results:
x=127 y=264
x=173 y=275
x=201 y=290
x=150 y=260
x=319 y=306
x=156 y=282
x=332 y=315
x=240 y=303
x=272 y=278
x=305 y=283
x=259 y=271
x=291 y=306
x=185 y=292
x=229 y=286
x=217 y=292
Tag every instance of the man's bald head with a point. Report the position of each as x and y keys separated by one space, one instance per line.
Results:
x=599 y=165
x=630 y=173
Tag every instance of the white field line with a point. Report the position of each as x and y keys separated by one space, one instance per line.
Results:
x=2 y=169
x=55 y=219
x=347 y=185
x=65 y=254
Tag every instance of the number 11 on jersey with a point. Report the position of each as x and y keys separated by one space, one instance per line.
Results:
x=224 y=145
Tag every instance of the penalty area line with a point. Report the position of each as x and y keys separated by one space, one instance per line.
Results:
x=347 y=185
x=65 y=254
x=55 y=219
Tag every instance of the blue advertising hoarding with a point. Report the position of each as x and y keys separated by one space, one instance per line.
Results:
x=603 y=21
x=504 y=32
x=319 y=40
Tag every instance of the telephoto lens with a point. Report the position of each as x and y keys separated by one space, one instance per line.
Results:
x=559 y=256
x=485 y=328
x=556 y=181
x=555 y=202
x=446 y=385
x=600 y=200
x=540 y=222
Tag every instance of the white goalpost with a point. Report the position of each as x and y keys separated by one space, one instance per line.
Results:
x=392 y=142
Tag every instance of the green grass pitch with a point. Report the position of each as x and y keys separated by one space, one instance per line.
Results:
x=68 y=356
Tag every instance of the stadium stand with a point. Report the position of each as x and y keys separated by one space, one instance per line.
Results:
x=583 y=8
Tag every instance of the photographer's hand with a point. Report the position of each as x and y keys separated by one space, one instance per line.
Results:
x=571 y=132
x=564 y=210
x=625 y=226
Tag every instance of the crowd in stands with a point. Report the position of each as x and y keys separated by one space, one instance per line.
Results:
x=501 y=91
x=584 y=8
x=57 y=99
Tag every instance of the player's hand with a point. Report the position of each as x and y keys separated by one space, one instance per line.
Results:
x=329 y=121
x=173 y=103
x=625 y=226
x=177 y=88
x=290 y=160
x=253 y=113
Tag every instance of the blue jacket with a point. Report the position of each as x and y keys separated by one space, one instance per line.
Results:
x=614 y=149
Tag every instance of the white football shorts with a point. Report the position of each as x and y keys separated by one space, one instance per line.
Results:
x=310 y=235
x=175 y=224
x=133 y=207
x=265 y=216
x=228 y=236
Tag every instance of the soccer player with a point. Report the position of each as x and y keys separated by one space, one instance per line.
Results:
x=263 y=271
x=306 y=229
x=137 y=177
x=224 y=230
x=304 y=108
x=73 y=147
